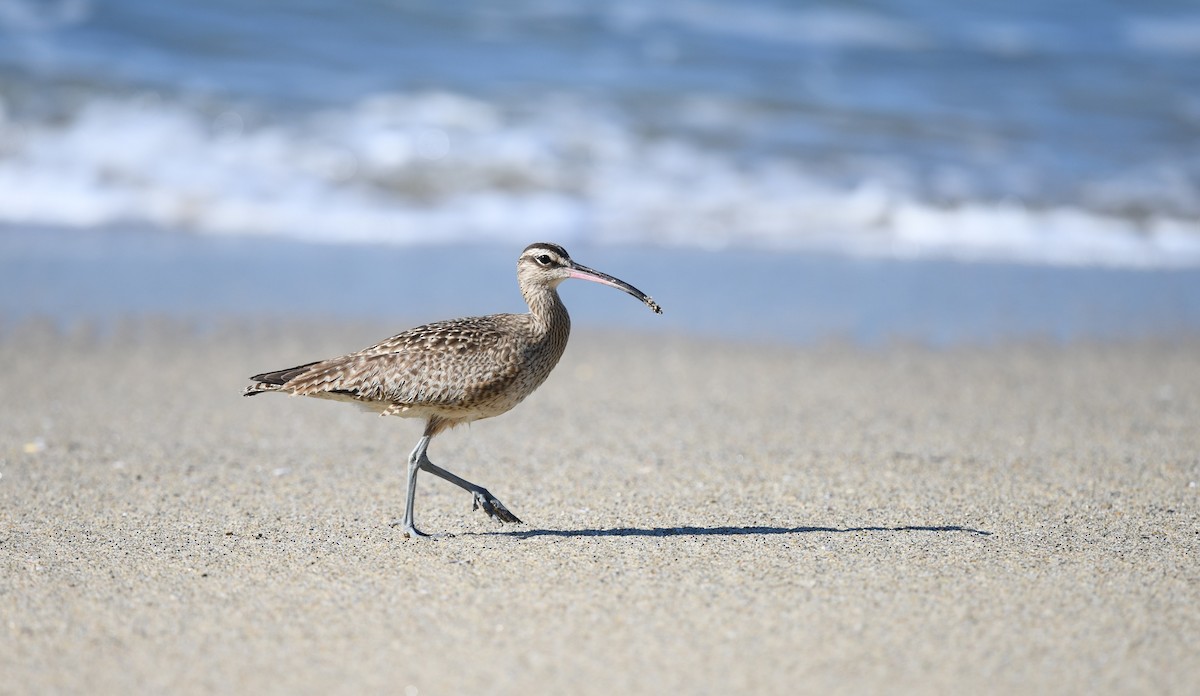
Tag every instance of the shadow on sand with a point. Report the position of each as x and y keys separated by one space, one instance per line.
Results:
x=721 y=531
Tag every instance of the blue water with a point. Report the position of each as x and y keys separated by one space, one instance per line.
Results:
x=796 y=298
x=1060 y=133
x=936 y=171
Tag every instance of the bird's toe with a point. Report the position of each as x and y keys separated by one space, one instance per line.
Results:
x=493 y=507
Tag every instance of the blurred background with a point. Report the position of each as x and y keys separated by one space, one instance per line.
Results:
x=872 y=169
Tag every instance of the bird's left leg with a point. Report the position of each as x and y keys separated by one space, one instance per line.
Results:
x=483 y=499
x=414 y=466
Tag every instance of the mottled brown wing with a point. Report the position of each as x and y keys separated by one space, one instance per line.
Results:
x=452 y=363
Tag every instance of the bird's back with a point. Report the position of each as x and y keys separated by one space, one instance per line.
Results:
x=462 y=369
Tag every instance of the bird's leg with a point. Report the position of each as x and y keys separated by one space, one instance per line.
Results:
x=414 y=465
x=483 y=499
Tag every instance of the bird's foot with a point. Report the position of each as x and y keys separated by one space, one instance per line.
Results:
x=493 y=507
x=411 y=531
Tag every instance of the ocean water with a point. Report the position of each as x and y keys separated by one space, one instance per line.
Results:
x=101 y=278
x=938 y=170
x=1062 y=133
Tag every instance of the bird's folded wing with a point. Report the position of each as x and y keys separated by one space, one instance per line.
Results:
x=437 y=364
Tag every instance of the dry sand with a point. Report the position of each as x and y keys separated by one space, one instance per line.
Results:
x=702 y=518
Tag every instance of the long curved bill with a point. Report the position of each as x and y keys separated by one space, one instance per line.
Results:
x=578 y=270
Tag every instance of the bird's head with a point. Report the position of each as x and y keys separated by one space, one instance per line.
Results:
x=545 y=264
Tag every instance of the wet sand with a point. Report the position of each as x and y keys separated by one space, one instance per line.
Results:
x=701 y=517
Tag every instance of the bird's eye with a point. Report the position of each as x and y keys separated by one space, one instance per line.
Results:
x=543 y=259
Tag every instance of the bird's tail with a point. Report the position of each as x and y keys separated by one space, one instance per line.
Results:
x=259 y=388
x=275 y=381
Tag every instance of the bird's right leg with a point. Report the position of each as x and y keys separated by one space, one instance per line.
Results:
x=414 y=466
x=483 y=499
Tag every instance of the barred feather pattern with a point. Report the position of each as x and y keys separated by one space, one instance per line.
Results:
x=453 y=371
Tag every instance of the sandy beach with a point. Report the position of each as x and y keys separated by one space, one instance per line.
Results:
x=702 y=517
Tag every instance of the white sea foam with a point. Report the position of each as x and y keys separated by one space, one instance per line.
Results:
x=439 y=167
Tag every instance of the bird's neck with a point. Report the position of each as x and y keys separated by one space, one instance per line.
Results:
x=549 y=312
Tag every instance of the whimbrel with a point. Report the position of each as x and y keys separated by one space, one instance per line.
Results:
x=454 y=372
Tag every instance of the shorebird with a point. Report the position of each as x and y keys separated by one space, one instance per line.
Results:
x=457 y=371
